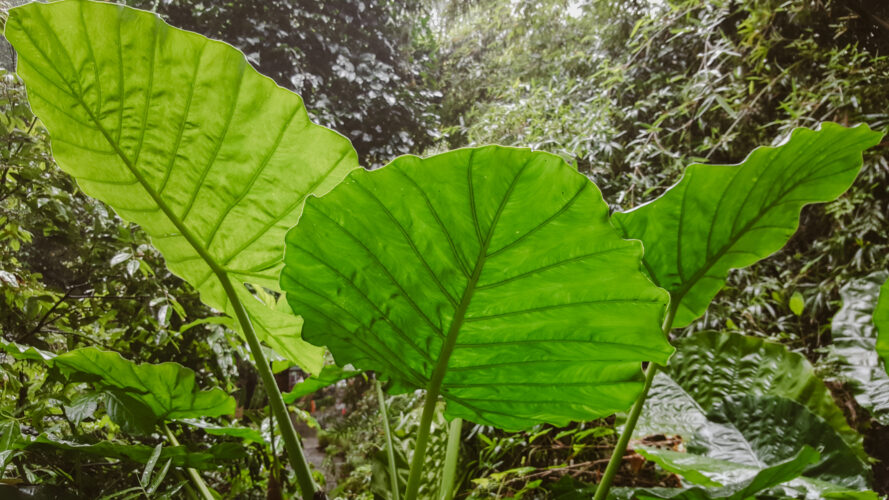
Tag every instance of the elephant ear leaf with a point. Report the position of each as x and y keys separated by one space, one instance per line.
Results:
x=490 y=276
x=179 y=134
x=720 y=217
x=881 y=321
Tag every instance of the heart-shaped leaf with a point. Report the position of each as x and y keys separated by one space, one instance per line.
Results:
x=720 y=217
x=169 y=390
x=163 y=391
x=492 y=275
x=179 y=134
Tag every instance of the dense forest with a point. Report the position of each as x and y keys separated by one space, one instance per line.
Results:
x=123 y=374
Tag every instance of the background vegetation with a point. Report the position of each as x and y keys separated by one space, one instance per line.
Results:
x=631 y=91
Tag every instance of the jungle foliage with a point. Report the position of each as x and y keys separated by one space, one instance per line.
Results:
x=457 y=273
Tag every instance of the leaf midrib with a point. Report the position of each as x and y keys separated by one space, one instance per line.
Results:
x=690 y=284
x=444 y=356
x=183 y=230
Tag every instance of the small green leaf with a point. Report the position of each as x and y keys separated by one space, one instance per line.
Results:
x=881 y=321
x=720 y=217
x=83 y=407
x=797 y=303
x=330 y=375
x=245 y=433
x=146 y=473
x=492 y=274
x=159 y=478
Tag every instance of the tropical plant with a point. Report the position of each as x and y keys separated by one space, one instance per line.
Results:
x=456 y=274
x=498 y=259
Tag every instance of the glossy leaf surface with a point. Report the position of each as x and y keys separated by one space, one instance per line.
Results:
x=496 y=269
x=759 y=481
x=710 y=366
x=179 y=134
x=742 y=405
x=856 y=344
x=720 y=217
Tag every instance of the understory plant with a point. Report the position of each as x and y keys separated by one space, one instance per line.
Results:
x=492 y=278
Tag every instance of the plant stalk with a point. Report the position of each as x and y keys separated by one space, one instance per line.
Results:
x=276 y=401
x=617 y=455
x=451 y=456
x=413 y=481
x=192 y=473
x=390 y=451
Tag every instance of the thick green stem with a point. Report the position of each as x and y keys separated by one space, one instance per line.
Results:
x=390 y=451
x=196 y=478
x=617 y=455
x=276 y=401
x=451 y=456
x=413 y=481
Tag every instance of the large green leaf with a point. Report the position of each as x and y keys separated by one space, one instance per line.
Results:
x=211 y=458
x=881 y=321
x=710 y=366
x=493 y=271
x=179 y=134
x=742 y=405
x=719 y=217
x=856 y=344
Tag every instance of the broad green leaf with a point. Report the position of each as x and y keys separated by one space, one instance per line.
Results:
x=760 y=418
x=494 y=271
x=330 y=375
x=761 y=480
x=179 y=134
x=168 y=390
x=856 y=344
x=881 y=321
x=211 y=458
x=720 y=217
x=710 y=366
x=135 y=395
x=742 y=405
